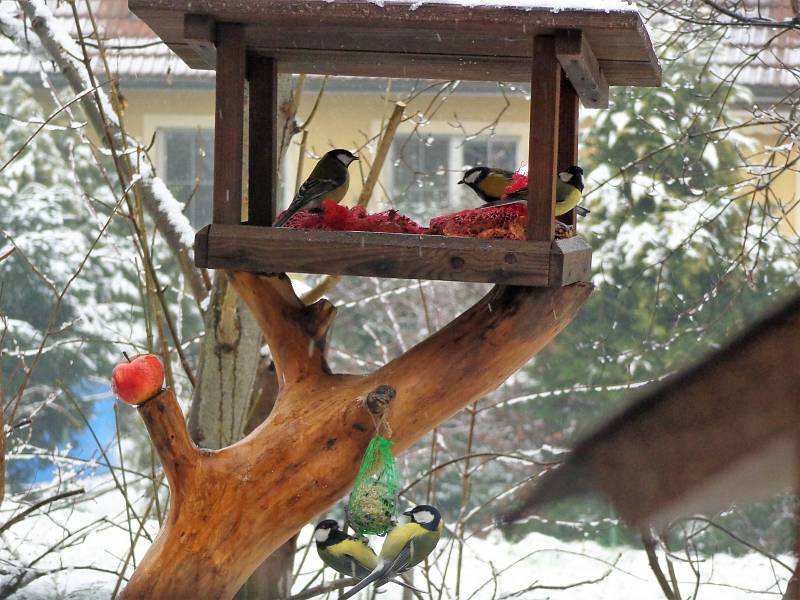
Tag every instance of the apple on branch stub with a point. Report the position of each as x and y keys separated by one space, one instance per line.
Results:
x=136 y=381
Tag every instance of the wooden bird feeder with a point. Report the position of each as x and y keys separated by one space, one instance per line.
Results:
x=570 y=51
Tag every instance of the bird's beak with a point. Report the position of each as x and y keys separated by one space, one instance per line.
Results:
x=407 y=513
x=462 y=181
x=355 y=157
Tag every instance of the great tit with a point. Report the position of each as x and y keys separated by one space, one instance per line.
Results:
x=343 y=553
x=346 y=554
x=490 y=184
x=329 y=179
x=406 y=545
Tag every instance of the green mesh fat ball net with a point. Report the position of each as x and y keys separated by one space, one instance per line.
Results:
x=373 y=502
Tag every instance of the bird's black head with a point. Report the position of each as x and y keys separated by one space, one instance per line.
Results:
x=574 y=176
x=474 y=176
x=343 y=156
x=425 y=515
x=327 y=532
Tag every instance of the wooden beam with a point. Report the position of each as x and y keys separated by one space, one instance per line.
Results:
x=229 y=124
x=568 y=119
x=404 y=256
x=199 y=31
x=543 y=145
x=262 y=73
x=582 y=69
x=570 y=261
x=455 y=32
x=722 y=431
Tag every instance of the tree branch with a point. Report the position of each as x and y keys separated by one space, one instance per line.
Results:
x=34 y=507
x=336 y=584
x=167 y=428
x=305 y=456
x=296 y=333
x=105 y=123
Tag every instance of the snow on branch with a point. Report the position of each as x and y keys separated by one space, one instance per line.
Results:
x=163 y=206
x=56 y=42
x=11 y=27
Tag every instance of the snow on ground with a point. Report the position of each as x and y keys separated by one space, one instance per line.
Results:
x=538 y=559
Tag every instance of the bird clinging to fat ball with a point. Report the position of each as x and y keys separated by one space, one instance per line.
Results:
x=406 y=545
x=344 y=553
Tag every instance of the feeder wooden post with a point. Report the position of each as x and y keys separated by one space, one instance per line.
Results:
x=262 y=73
x=544 y=139
x=568 y=119
x=229 y=124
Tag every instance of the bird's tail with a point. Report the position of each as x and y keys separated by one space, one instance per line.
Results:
x=281 y=221
x=582 y=210
x=379 y=572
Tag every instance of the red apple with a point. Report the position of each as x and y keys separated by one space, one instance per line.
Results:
x=139 y=380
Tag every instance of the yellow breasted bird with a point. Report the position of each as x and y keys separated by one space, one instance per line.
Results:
x=344 y=553
x=329 y=179
x=490 y=185
x=406 y=545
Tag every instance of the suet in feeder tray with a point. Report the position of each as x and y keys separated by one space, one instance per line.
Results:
x=566 y=52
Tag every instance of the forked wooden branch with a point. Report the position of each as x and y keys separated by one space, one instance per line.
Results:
x=232 y=507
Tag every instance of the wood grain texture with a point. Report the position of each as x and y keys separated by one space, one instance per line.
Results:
x=277 y=250
x=262 y=73
x=722 y=431
x=231 y=508
x=581 y=67
x=570 y=262
x=544 y=136
x=229 y=124
x=411 y=66
x=450 y=34
x=568 y=122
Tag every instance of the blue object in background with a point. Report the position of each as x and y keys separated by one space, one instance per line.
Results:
x=97 y=403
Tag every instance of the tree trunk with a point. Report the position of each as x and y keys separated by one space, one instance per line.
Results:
x=229 y=360
x=231 y=508
x=236 y=390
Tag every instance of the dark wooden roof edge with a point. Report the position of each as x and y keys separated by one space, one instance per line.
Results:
x=560 y=483
x=650 y=49
x=639 y=66
x=409 y=10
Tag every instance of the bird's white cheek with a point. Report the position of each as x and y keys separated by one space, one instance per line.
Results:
x=565 y=177
x=321 y=535
x=423 y=517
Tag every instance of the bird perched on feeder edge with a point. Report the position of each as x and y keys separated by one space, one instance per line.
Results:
x=329 y=179
x=346 y=554
x=490 y=184
x=406 y=545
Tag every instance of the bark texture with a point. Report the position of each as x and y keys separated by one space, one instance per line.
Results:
x=231 y=508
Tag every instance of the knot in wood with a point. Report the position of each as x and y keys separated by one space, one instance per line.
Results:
x=379 y=399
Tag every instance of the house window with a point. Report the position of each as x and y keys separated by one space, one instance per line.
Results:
x=426 y=171
x=187 y=166
x=491 y=151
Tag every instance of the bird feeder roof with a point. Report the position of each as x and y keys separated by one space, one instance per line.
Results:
x=452 y=39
